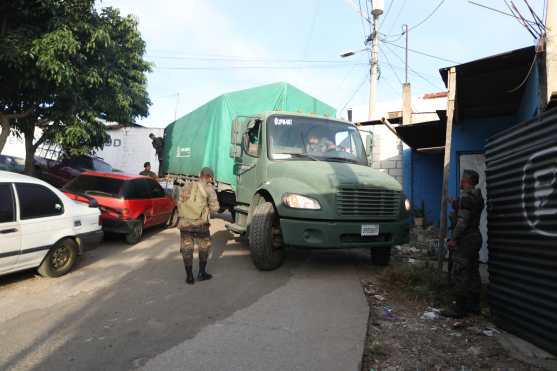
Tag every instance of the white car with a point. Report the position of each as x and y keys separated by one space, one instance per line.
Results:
x=41 y=227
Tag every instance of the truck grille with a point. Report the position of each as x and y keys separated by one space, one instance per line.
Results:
x=369 y=202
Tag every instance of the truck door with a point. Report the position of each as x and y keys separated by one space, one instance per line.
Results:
x=245 y=167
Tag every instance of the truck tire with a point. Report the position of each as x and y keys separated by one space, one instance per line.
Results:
x=380 y=255
x=265 y=241
x=60 y=259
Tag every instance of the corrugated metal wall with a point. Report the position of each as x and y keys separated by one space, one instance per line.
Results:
x=522 y=229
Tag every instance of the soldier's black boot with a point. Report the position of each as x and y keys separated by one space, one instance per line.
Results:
x=203 y=275
x=457 y=310
x=189 y=275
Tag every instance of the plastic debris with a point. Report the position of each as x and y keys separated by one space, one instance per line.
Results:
x=430 y=315
x=379 y=297
x=388 y=313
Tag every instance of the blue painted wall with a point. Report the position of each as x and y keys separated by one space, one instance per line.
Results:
x=529 y=103
x=423 y=182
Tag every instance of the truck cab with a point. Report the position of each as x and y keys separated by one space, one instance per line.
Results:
x=304 y=181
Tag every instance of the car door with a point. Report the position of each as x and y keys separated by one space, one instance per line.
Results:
x=41 y=218
x=10 y=233
x=162 y=207
x=140 y=200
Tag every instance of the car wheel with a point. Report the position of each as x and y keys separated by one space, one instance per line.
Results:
x=59 y=260
x=265 y=241
x=134 y=236
x=173 y=220
x=380 y=255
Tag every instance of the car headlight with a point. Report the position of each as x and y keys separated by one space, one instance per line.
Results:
x=300 y=202
x=407 y=205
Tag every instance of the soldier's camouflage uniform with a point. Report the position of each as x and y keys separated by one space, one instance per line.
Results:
x=465 y=270
x=195 y=233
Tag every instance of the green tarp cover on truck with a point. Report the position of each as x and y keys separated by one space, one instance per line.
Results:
x=202 y=137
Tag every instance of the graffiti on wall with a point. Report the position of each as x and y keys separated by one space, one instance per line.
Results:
x=539 y=191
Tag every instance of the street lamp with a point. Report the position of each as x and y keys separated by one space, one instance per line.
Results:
x=350 y=53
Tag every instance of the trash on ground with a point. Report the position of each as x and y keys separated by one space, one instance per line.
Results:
x=388 y=313
x=379 y=297
x=430 y=315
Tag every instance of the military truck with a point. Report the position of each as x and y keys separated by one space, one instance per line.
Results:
x=292 y=180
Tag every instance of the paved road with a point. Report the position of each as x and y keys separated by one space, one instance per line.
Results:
x=128 y=307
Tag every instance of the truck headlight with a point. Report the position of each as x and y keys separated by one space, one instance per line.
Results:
x=407 y=205
x=300 y=202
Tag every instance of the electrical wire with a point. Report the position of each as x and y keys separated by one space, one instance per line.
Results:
x=312 y=27
x=421 y=53
x=495 y=10
x=421 y=76
x=362 y=20
x=526 y=77
x=243 y=59
x=216 y=68
x=387 y=12
x=428 y=17
x=366 y=78
x=389 y=64
x=398 y=14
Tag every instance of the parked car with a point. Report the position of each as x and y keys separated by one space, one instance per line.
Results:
x=41 y=227
x=11 y=163
x=58 y=173
x=129 y=203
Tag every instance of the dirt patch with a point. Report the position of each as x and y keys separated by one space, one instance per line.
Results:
x=406 y=331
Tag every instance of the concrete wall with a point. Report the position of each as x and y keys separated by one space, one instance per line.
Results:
x=387 y=152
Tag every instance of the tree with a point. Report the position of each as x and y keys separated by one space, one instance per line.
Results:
x=64 y=65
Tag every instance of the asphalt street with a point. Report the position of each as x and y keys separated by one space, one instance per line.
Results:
x=127 y=307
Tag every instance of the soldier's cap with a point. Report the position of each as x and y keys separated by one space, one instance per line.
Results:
x=473 y=176
x=147 y=164
x=207 y=171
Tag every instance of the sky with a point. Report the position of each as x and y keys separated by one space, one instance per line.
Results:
x=204 y=48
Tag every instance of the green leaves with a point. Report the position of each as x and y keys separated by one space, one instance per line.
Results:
x=71 y=64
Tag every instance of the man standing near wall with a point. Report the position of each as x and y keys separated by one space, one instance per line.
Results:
x=197 y=201
x=158 y=145
x=466 y=243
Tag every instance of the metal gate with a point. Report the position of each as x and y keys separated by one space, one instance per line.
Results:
x=522 y=229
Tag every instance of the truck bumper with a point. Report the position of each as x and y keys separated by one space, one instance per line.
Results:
x=334 y=234
x=89 y=240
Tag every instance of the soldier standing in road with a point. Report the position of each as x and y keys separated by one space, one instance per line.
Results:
x=466 y=243
x=158 y=145
x=197 y=201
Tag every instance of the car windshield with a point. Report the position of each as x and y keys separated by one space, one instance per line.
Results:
x=95 y=186
x=292 y=137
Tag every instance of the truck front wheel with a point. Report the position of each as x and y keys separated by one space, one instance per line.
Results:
x=265 y=239
x=380 y=255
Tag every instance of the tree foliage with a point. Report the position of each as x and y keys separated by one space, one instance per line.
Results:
x=63 y=66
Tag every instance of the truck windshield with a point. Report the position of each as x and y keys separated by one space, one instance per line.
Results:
x=293 y=137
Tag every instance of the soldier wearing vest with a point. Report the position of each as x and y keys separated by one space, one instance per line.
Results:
x=197 y=201
x=465 y=244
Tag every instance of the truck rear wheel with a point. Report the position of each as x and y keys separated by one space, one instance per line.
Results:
x=380 y=255
x=265 y=239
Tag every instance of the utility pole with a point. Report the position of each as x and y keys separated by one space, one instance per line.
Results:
x=551 y=50
x=406 y=91
x=377 y=10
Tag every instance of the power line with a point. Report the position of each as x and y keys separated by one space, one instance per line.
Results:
x=428 y=17
x=243 y=59
x=421 y=76
x=212 y=68
x=312 y=27
x=398 y=14
x=366 y=78
x=362 y=20
x=389 y=64
x=388 y=11
x=421 y=53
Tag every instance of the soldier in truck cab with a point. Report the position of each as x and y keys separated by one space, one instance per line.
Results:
x=316 y=145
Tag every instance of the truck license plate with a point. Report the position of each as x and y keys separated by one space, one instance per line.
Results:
x=370 y=230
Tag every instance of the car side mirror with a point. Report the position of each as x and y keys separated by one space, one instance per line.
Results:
x=93 y=203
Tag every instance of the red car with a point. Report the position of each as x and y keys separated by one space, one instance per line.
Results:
x=128 y=203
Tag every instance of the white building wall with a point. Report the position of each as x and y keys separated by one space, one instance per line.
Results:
x=129 y=148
